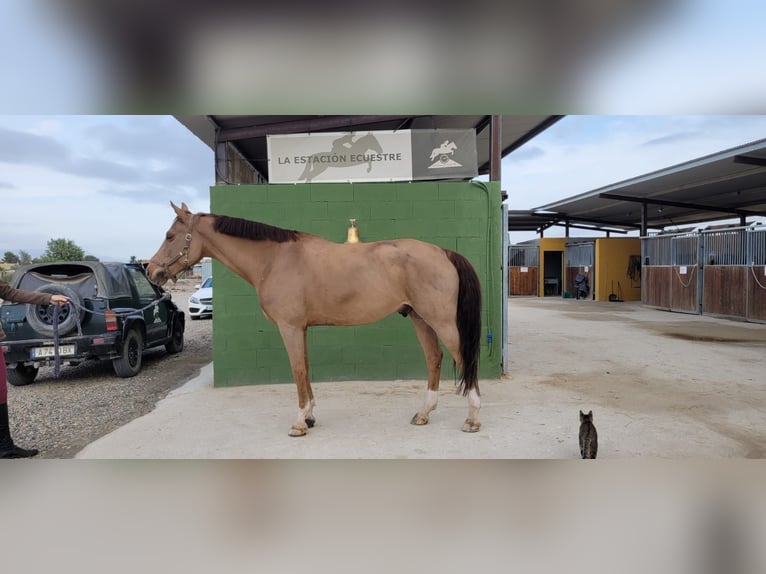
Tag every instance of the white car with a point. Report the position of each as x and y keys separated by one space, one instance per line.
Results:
x=201 y=301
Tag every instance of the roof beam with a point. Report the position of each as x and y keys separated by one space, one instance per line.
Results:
x=560 y=218
x=750 y=160
x=592 y=221
x=304 y=125
x=681 y=204
x=588 y=228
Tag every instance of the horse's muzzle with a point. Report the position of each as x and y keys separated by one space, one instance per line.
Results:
x=156 y=274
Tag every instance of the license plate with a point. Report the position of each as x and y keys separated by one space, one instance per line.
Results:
x=41 y=352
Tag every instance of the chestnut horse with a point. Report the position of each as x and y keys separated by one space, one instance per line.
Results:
x=302 y=280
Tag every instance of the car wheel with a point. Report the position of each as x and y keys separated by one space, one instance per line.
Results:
x=40 y=317
x=176 y=344
x=129 y=363
x=21 y=375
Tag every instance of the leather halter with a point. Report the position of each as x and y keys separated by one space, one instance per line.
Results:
x=183 y=253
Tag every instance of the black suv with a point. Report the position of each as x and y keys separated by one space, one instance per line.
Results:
x=123 y=321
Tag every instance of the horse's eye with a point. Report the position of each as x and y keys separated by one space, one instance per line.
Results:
x=169 y=236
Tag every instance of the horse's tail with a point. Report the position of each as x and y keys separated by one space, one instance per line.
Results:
x=468 y=318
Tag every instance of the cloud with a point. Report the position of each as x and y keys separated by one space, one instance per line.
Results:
x=18 y=147
x=526 y=153
x=671 y=139
x=6 y=185
x=132 y=153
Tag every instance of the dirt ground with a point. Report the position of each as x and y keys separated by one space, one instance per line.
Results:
x=660 y=384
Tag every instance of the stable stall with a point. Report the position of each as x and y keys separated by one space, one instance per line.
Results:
x=734 y=263
x=669 y=277
x=720 y=272
x=579 y=271
x=610 y=265
x=523 y=269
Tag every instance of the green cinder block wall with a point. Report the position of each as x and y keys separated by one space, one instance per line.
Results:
x=462 y=216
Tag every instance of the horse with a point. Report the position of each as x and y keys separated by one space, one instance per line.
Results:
x=346 y=151
x=447 y=148
x=302 y=281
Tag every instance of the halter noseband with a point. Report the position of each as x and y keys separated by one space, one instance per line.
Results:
x=184 y=252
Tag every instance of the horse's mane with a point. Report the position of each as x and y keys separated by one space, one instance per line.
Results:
x=247 y=229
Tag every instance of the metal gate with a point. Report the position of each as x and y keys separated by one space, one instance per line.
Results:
x=714 y=272
x=670 y=277
x=523 y=269
x=724 y=264
x=756 y=279
x=580 y=259
x=685 y=281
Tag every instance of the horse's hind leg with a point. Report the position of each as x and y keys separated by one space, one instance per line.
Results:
x=448 y=333
x=294 y=339
x=433 y=353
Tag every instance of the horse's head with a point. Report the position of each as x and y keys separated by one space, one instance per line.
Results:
x=180 y=250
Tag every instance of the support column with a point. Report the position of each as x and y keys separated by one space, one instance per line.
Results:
x=222 y=163
x=644 y=218
x=496 y=148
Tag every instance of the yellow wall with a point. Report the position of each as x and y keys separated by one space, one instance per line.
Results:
x=612 y=255
x=550 y=244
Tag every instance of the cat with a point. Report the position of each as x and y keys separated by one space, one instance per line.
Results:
x=588 y=436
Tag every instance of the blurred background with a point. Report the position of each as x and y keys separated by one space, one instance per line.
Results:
x=583 y=56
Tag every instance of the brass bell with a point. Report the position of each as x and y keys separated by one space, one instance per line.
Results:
x=353 y=232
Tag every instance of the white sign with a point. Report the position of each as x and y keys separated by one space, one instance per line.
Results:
x=403 y=155
x=585 y=269
x=525 y=269
x=682 y=270
x=336 y=157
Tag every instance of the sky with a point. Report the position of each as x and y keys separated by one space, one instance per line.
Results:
x=105 y=182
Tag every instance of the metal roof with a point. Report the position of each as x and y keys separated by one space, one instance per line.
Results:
x=723 y=185
x=248 y=133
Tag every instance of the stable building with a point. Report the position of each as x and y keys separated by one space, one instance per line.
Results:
x=550 y=266
x=686 y=264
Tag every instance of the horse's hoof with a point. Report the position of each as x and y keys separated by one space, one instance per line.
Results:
x=310 y=422
x=471 y=426
x=297 y=431
x=419 y=420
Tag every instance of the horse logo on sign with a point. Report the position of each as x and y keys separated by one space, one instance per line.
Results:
x=443 y=153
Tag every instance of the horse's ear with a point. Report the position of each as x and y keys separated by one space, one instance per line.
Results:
x=182 y=211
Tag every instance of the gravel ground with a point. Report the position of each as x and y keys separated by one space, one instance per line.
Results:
x=60 y=416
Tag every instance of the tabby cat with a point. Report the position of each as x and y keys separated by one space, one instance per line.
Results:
x=588 y=436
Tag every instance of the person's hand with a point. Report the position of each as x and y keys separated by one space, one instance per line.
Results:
x=59 y=299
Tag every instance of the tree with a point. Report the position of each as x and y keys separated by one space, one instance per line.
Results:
x=24 y=258
x=10 y=257
x=62 y=250
x=90 y=258
x=133 y=259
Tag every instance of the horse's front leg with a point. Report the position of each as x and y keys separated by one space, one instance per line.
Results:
x=294 y=339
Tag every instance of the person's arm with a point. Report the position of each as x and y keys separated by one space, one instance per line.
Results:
x=8 y=293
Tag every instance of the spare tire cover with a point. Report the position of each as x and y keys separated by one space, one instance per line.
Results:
x=40 y=317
